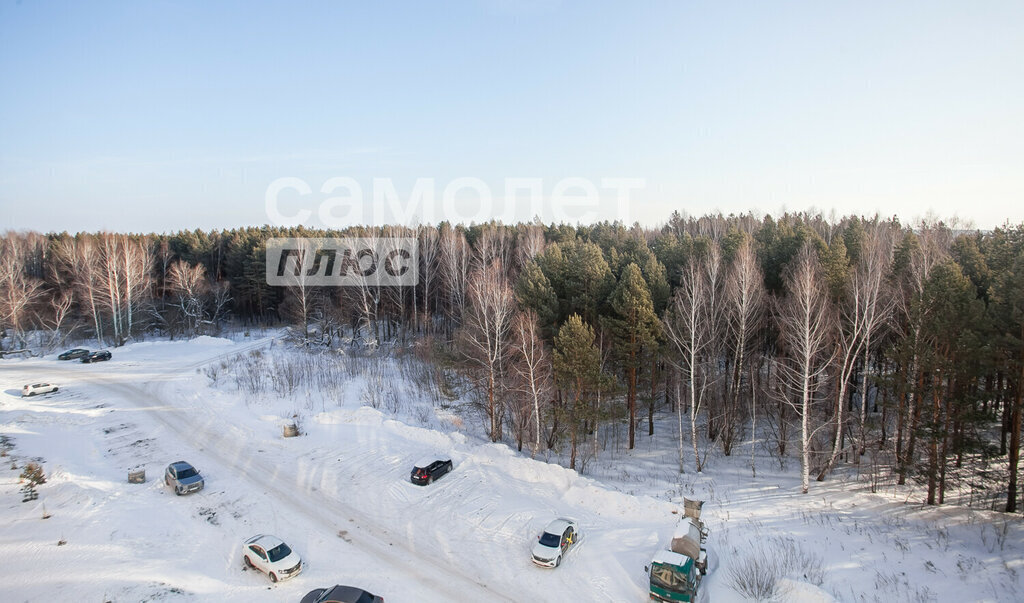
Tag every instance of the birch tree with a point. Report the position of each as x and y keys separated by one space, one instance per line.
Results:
x=532 y=367
x=187 y=283
x=18 y=291
x=488 y=319
x=744 y=295
x=921 y=252
x=454 y=263
x=686 y=328
x=429 y=252
x=805 y=322
x=871 y=279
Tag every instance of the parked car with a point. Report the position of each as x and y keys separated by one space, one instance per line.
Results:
x=271 y=556
x=96 y=356
x=73 y=354
x=341 y=594
x=554 y=543
x=38 y=388
x=427 y=471
x=184 y=478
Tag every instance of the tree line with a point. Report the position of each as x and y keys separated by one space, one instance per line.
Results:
x=858 y=340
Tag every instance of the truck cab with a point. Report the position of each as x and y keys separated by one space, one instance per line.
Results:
x=674 y=577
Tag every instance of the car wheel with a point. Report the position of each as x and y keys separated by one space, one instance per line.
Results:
x=177 y=490
x=430 y=480
x=30 y=394
x=56 y=388
x=558 y=561
x=273 y=577
x=248 y=562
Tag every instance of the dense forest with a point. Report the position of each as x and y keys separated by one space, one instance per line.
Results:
x=899 y=348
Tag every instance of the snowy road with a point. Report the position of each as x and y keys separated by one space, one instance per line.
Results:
x=339 y=495
x=228 y=452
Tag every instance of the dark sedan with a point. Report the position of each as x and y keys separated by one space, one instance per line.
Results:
x=426 y=472
x=96 y=356
x=73 y=354
x=341 y=594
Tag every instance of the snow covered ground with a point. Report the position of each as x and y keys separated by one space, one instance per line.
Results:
x=340 y=496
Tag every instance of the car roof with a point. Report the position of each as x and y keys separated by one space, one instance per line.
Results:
x=427 y=461
x=557 y=526
x=345 y=593
x=265 y=540
x=182 y=465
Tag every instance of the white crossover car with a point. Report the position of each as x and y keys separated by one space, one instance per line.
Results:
x=271 y=556
x=38 y=388
x=554 y=543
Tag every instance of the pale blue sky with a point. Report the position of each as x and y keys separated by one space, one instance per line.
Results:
x=168 y=115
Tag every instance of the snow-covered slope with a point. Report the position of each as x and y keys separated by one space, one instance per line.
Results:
x=340 y=496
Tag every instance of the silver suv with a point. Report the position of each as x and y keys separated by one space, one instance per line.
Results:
x=184 y=478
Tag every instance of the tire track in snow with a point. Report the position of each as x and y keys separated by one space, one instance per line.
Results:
x=288 y=489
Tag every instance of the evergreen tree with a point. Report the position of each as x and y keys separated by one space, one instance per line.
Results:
x=635 y=329
x=534 y=292
x=577 y=361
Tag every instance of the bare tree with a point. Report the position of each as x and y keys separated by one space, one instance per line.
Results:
x=58 y=315
x=18 y=291
x=806 y=322
x=80 y=257
x=927 y=248
x=189 y=286
x=713 y=323
x=531 y=242
x=532 y=367
x=399 y=307
x=687 y=325
x=429 y=252
x=221 y=297
x=871 y=278
x=455 y=258
x=864 y=310
x=488 y=319
x=123 y=280
x=744 y=295
x=303 y=299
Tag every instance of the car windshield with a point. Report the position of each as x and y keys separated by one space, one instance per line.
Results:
x=186 y=473
x=665 y=577
x=279 y=552
x=364 y=597
x=551 y=540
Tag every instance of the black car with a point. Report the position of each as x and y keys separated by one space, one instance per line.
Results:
x=426 y=472
x=72 y=354
x=341 y=594
x=96 y=356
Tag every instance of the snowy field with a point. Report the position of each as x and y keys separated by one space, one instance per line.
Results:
x=340 y=496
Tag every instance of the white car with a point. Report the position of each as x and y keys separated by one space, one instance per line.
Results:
x=554 y=543
x=38 y=388
x=271 y=556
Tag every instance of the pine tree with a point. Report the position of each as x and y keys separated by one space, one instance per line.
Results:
x=635 y=328
x=577 y=361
